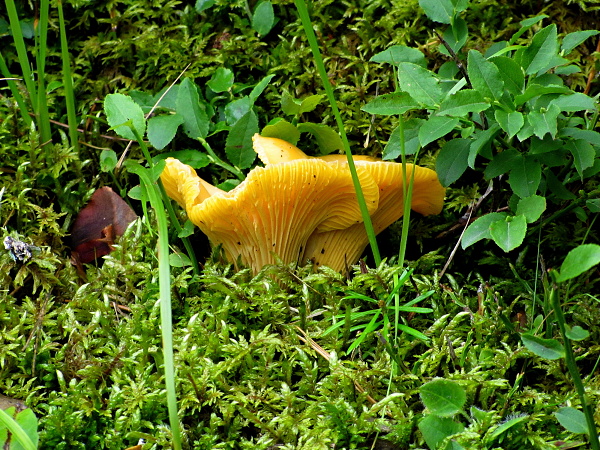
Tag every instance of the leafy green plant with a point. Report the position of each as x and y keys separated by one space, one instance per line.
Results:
x=515 y=117
x=20 y=427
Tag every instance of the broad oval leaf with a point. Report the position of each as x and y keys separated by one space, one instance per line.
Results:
x=238 y=146
x=281 y=129
x=123 y=113
x=577 y=333
x=572 y=419
x=436 y=127
x=420 y=83
x=531 y=207
x=396 y=103
x=572 y=40
x=509 y=233
x=583 y=154
x=545 y=348
x=451 y=162
x=327 y=138
x=435 y=429
x=162 y=129
x=221 y=80
x=263 y=18
x=511 y=122
x=462 y=103
x=195 y=119
x=484 y=75
x=525 y=177
x=579 y=260
x=480 y=229
x=400 y=53
x=442 y=397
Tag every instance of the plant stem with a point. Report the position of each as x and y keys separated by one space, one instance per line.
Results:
x=314 y=46
x=572 y=366
x=219 y=162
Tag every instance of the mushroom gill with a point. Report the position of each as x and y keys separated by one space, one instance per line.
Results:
x=342 y=247
x=274 y=210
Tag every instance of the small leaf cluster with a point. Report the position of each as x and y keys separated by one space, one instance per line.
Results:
x=516 y=119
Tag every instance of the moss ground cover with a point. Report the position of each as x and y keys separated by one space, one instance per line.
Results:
x=464 y=350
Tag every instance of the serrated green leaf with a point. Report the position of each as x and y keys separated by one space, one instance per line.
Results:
x=484 y=75
x=480 y=229
x=263 y=18
x=531 y=207
x=435 y=128
x=237 y=109
x=396 y=103
x=451 y=162
x=327 y=138
x=583 y=154
x=578 y=261
x=122 y=113
x=575 y=102
x=543 y=48
x=511 y=72
x=544 y=121
x=162 y=129
x=525 y=177
x=502 y=163
x=400 y=53
x=420 y=83
x=195 y=119
x=544 y=348
x=511 y=122
x=221 y=80
x=509 y=233
x=462 y=103
x=238 y=146
x=572 y=40
x=443 y=398
x=393 y=149
x=260 y=87
x=282 y=129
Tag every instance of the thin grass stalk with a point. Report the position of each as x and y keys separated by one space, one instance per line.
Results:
x=15 y=92
x=314 y=46
x=164 y=281
x=41 y=37
x=574 y=371
x=15 y=28
x=68 y=80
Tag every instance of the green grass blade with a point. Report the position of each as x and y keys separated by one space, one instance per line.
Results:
x=314 y=46
x=18 y=432
x=42 y=102
x=15 y=92
x=68 y=80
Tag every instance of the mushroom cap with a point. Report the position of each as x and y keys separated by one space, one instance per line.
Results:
x=274 y=210
x=341 y=248
x=274 y=150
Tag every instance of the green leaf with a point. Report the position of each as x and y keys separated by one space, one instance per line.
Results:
x=577 y=333
x=545 y=348
x=578 y=261
x=583 y=154
x=263 y=18
x=400 y=53
x=260 y=87
x=455 y=36
x=525 y=177
x=122 y=113
x=420 y=83
x=192 y=158
x=221 y=80
x=435 y=128
x=544 y=121
x=237 y=109
x=202 y=5
x=179 y=260
x=396 y=103
x=462 y=103
x=309 y=103
x=507 y=425
x=327 y=138
x=572 y=419
x=511 y=122
x=162 y=129
x=289 y=105
x=435 y=429
x=443 y=398
x=23 y=426
x=509 y=233
x=531 y=207
x=442 y=11
x=108 y=160
x=238 y=146
x=281 y=129
x=484 y=75
x=451 y=162
x=480 y=229
x=511 y=72
x=393 y=148
x=543 y=48
x=575 y=102
x=502 y=163
x=195 y=119
x=535 y=90
x=482 y=140
x=572 y=40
